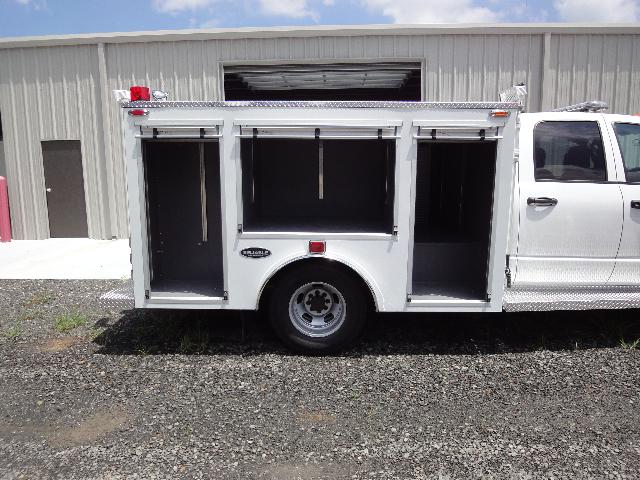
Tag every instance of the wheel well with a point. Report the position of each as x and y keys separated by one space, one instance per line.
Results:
x=271 y=281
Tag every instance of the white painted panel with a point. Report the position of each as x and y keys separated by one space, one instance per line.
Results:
x=575 y=241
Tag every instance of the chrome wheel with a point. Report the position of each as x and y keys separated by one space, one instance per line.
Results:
x=317 y=309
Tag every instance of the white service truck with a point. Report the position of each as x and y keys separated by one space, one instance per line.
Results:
x=319 y=212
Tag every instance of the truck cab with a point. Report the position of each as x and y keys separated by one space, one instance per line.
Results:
x=575 y=223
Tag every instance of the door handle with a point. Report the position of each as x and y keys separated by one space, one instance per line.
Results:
x=542 y=201
x=635 y=204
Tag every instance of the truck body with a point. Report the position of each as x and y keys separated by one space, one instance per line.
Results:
x=403 y=206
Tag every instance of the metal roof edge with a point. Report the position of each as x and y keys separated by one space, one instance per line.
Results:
x=318 y=31
x=319 y=104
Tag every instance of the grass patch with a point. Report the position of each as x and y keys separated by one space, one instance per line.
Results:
x=27 y=315
x=194 y=342
x=12 y=333
x=68 y=321
x=39 y=298
x=629 y=345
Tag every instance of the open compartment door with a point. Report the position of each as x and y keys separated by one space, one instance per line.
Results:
x=184 y=221
x=454 y=195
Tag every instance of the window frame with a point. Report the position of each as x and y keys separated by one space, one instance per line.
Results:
x=560 y=180
x=615 y=136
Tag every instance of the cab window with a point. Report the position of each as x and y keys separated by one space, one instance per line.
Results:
x=628 y=135
x=569 y=151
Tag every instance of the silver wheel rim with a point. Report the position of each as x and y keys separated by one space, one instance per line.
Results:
x=317 y=309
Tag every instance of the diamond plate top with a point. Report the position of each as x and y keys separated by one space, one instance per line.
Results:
x=329 y=104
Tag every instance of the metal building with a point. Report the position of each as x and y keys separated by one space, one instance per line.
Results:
x=61 y=133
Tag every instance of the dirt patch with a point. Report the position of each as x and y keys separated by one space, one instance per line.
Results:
x=54 y=345
x=85 y=432
x=300 y=472
x=317 y=417
x=91 y=428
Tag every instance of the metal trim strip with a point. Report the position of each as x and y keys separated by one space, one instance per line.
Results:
x=325 y=105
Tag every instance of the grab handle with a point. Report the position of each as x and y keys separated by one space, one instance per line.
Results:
x=542 y=201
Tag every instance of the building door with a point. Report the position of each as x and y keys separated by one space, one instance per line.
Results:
x=570 y=205
x=64 y=183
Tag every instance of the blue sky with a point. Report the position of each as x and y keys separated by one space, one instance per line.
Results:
x=46 y=17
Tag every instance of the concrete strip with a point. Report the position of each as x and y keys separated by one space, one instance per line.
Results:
x=65 y=258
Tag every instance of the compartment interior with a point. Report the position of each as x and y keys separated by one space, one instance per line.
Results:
x=454 y=197
x=316 y=185
x=184 y=218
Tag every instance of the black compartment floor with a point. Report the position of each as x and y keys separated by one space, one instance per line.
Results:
x=175 y=288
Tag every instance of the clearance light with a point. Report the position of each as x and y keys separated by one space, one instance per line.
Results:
x=139 y=112
x=499 y=113
x=317 y=247
x=140 y=93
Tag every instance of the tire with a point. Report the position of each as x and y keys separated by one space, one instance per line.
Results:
x=317 y=308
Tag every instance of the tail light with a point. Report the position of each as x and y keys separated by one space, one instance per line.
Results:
x=317 y=247
x=140 y=93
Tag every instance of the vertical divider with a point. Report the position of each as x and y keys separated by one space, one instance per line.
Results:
x=320 y=165
x=203 y=194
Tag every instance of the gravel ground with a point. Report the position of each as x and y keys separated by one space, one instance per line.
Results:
x=89 y=393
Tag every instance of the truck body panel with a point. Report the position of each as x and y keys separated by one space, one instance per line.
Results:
x=383 y=259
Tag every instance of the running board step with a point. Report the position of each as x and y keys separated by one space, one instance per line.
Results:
x=570 y=298
x=120 y=298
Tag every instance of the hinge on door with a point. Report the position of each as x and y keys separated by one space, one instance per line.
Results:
x=239 y=228
x=225 y=295
x=395 y=231
x=146 y=294
x=488 y=297
x=408 y=298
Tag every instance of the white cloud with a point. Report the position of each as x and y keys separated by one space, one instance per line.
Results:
x=286 y=8
x=37 y=5
x=597 y=10
x=432 y=11
x=282 y=8
x=174 y=6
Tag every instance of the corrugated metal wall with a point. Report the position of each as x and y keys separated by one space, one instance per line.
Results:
x=55 y=92
x=602 y=67
x=49 y=94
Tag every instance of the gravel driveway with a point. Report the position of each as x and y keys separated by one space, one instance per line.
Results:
x=88 y=393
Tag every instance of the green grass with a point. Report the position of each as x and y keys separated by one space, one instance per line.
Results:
x=629 y=345
x=39 y=298
x=69 y=321
x=194 y=342
x=12 y=333
x=27 y=315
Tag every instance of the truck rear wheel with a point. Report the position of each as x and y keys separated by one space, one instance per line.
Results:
x=317 y=308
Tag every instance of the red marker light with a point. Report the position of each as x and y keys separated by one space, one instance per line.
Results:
x=139 y=112
x=317 y=247
x=140 y=93
x=500 y=113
